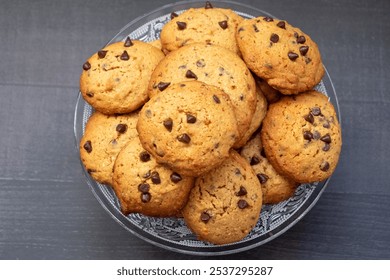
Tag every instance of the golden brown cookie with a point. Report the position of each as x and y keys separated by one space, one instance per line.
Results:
x=190 y=127
x=271 y=94
x=302 y=137
x=115 y=79
x=103 y=139
x=275 y=187
x=144 y=186
x=201 y=25
x=212 y=65
x=225 y=203
x=285 y=57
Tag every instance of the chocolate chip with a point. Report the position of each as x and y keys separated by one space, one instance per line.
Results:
x=326 y=138
x=191 y=75
x=147 y=175
x=254 y=160
x=102 y=54
x=175 y=177
x=301 y=40
x=307 y=60
x=326 y=147
x=168 y=123
x=255 y=28
x=296 y=35
x=181 y=25
x=292 y=56
x=309 y=118
x=216 y=99
x=173 y=15
x=281 y=24
x=208 y=5
x=262 y=178
x=156 y=178
x=121 y=128
x=124 y=56
x=162 y=86
x=191 y=118
x=128 y=42
x=144 y=156
x=268 y=19
x=242 y=204
x=303 y=50
x=200 y=63
x=204 y=217
x=237 y=172
x=262 y=153
x=324 y=166
x=326 y=124
x=146 y=197
x=88 y=146
x=144 y=187
x=86 y=66
x=274 y=38
x=316 y=135
x=307 y=135
x=223 y=24
x=89 y=94
x=184 y=138
x=316 y=111
x=241 y=192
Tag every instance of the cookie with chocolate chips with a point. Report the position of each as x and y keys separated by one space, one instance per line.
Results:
x=225 y=203
x=213 y=65
x=190 y=127
x=275 y=187
x=285 y=57
x=144 y=186
x=115 y=79
x=103 y=139
x=201 y=25
x=301 y=136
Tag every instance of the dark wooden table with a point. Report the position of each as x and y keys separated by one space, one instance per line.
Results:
x=47 y=210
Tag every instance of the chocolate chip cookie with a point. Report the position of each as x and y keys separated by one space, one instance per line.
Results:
x=115 y=79
x=301 y=136
x=190 y=127
x=144 y=186
x=225 y=203
x=285 y=57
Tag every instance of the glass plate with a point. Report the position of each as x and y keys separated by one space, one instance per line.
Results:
x=172 y=233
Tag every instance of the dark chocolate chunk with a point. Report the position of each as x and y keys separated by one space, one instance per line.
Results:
x=86 y=66
x=316 y=111
x=89 y=94
x=301 y=39
x=144 y=187
x=208 y=5
x=184 y=138
x=262 y=178
x=88 y=146
x=241 y=192
x=296 y=35
x=274 y=38
x=200 y=63
x=121 y=128
x=128 y=42
x=292 y=56
x=326 y=147
x=223 y=24
x=262 y=153
x=326 y=124
x=268 y=19
x=173 y=15
x=216 y=99
x=316 y=135
x=191 y=75
x=324 y=166
x=146 y=197
x=326 y=138
x=102 y=53
x=205 y=217
x=242 y=204
x=191 y=118
x=146 y=175
x=309 y=118
x=254 y=160
x=175 y=177
x=181 y=25
x=156 y=178
x=162 y=86
x=168 y=123
x=308 y=135
x=144 y=156
x=303 y=50
x=281 y=24
x=124 y=56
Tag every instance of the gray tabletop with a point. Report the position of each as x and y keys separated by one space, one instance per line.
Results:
x=47 y=210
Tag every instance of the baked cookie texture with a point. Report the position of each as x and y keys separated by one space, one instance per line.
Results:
x=201 y=25
x=102 y=141
x=190 y=127
x=144 y=186
x=225 y=203
x=275 y=187
x=301 y=136
x=115 y=79
x=270 y=94
x=285 y=57
x=212 y=65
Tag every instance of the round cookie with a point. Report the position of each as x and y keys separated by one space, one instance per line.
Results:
x=190 y=127
x=285 y=57
x=115 y=79
x=302 y=137
x=103 y=139
x=201 y=25
x=275 y=187
x=225 y=203
x=144 y=186
x=212 y=65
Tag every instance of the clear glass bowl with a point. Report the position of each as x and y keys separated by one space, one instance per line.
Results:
x=172 y=233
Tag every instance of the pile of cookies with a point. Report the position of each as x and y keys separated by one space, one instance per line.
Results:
x=210 y=122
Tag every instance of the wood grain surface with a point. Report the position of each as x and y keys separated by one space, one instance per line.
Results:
x=47 y=211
